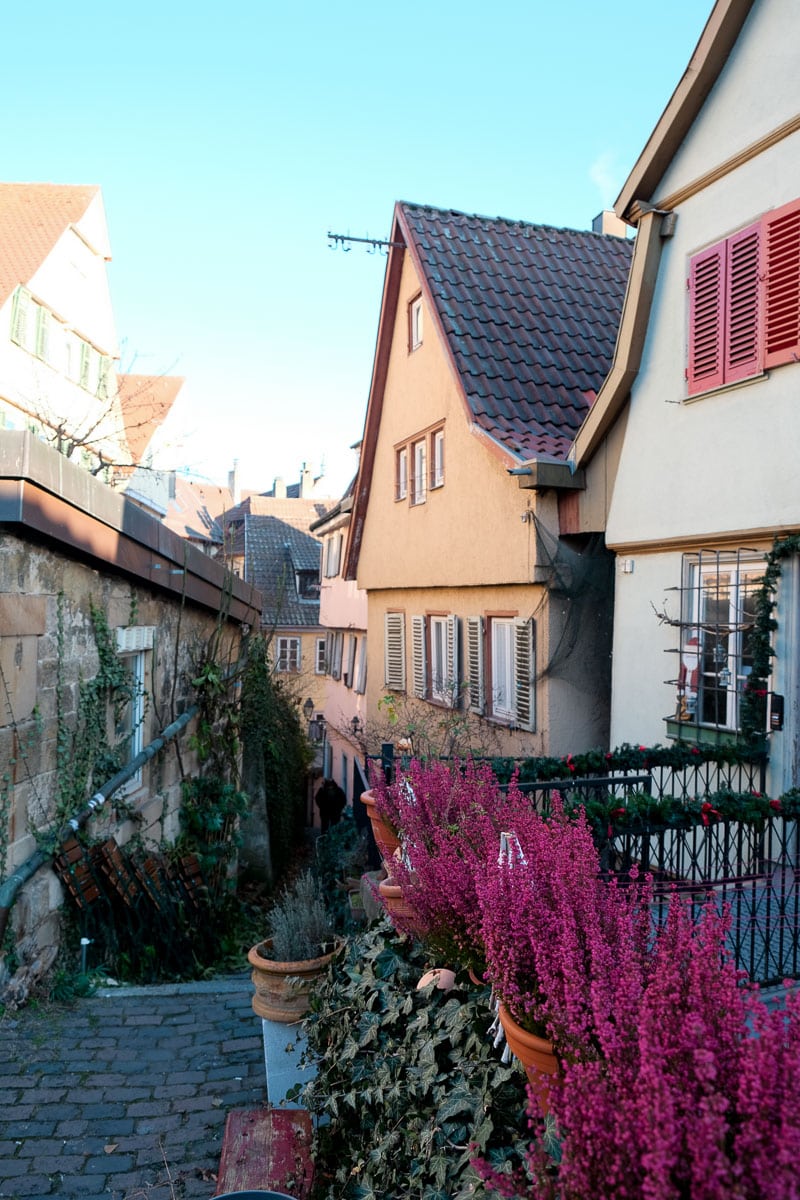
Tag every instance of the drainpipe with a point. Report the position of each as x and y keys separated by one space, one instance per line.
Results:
x=39 y=858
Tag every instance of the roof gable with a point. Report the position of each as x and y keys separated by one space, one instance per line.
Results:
x=527 y=315
x=33 y=216
x=710 y=55
x=145 y=401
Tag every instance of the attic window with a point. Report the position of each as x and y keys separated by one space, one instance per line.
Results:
x=415 y=323
x=308 y=585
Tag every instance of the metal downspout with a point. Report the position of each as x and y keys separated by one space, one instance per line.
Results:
x=39 y=858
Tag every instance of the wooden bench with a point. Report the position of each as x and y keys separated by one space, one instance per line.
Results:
x=267 y=1149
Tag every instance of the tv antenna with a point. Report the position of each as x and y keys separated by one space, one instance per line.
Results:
x=340 y=241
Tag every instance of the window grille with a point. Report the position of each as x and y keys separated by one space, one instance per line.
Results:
x=715 y=651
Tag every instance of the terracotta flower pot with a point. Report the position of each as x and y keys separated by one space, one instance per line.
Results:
x=283 y=988
x=536 y=1055
x=386 y=839
x=402 y=915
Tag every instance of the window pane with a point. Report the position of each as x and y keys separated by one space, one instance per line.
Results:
x=503 y=668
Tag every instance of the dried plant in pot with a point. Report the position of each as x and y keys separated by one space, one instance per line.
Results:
x=300 y=945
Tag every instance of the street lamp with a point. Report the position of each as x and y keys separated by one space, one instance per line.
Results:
x=308 y=709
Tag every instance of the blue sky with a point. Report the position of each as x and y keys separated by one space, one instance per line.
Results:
x=228 y=140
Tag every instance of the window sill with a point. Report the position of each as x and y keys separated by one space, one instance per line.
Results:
x=726 y=387
x=702 y=735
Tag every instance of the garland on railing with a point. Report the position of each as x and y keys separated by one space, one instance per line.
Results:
x=640 y=811
x=624 y=758
x=754 y=701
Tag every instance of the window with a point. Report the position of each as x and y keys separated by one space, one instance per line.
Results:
x=435 y=659
x=133 y=644
x=744 y=302
x=361 y=673
x=307 y=583
x=333 y=555
x=350 y=661
x=418 y=482
x=437 y=458
x=320 y=657
x=334 y=654
x=423 y=458
x=401 y=474
x=415 y=323
x=500 y=661
x=717 y=620
x=394 y=632
x=287 y=654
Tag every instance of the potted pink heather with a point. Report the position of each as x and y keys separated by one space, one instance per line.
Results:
x=557 y=937
x=696 y=1094
x=449 y=816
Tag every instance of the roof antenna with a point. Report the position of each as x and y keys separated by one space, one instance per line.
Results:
x=336 y=241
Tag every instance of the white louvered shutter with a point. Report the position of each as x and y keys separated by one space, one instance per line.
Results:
x=475 y=672
x=418 y=664
x=395 y=651
x=453 y=680
x=525 y=672
x=361 y=678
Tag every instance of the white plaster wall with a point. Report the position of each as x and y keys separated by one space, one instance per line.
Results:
x=757 y=91
x=726 y=461
x=640 y=699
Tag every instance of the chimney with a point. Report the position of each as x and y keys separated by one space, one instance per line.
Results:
x=306 y=480
x=233 y=482
x=608 y=222
x=279 y=488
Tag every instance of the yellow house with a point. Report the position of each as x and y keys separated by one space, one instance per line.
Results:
x=489 y=626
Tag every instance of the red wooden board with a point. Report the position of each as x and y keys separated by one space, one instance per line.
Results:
x=268 y=1149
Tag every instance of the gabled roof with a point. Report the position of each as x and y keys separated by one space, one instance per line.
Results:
x=710 y=55
x=527 y=315
x=33 y=216
x=145 y=401
x=274 y=551
x=636 y=204
x=297 y=512
x=195 y=509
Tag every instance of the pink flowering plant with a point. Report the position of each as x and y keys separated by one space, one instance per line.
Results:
x=558 y=938
x=695 y=1095
x=449 y=816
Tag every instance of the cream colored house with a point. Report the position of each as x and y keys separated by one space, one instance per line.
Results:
x=59 y=352
x=691 y=449
x=487 y=627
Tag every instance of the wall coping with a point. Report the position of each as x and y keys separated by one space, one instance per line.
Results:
x=53 y=500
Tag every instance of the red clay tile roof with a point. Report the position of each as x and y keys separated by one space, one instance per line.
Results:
x=194 y=511
x=530 y=314
x=33 y=216
x=145 y=401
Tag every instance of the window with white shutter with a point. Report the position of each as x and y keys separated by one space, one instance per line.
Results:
x=336 y=662
x=395 y=651
x=361 y=675
x=350 y=662
x=525 y=675
x=418 y=663
x=475 y=665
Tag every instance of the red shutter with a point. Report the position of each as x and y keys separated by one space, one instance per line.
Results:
x=742 y=341
x=706 y=280
x=782 y=302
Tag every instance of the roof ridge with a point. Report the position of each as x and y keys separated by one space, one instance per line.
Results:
x=409 y=205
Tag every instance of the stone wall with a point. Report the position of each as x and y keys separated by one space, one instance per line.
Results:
x=47 y=647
